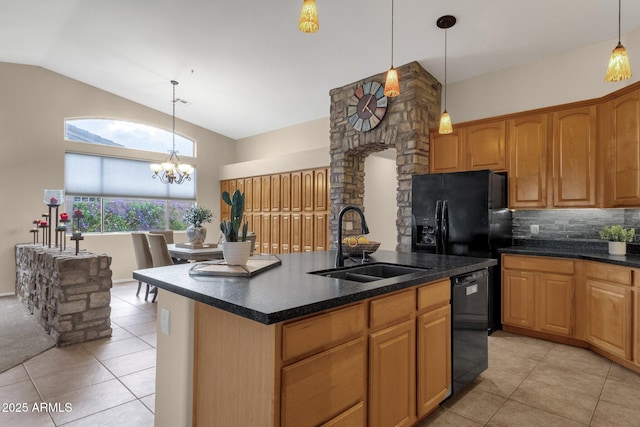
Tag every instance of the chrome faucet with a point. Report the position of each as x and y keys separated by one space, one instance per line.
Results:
x=364 y=230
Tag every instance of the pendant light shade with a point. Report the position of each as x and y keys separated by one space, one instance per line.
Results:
x=392 y=84
x=445 y=22
x=619 y=68
x=308 y=22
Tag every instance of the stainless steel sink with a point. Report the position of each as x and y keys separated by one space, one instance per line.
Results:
x=370 y=272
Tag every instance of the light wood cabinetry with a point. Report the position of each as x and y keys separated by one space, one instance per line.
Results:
x=609 y=305
x=574 y=157
x=539 y=294
x=446 y=152
x=624 y=155
x=269 y=198
x=528 y=161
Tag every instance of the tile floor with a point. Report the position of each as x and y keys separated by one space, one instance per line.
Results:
x=110 y=382
x=107 y=382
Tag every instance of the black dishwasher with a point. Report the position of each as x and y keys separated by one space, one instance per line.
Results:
x=469 y=324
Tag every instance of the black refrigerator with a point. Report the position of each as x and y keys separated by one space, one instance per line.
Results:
x=463 y=213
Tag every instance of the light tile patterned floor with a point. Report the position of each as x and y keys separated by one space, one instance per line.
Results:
x=111 y=382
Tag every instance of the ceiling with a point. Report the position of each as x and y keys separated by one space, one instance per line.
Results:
x=244 y=68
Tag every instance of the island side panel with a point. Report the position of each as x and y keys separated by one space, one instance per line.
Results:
x=236 y=376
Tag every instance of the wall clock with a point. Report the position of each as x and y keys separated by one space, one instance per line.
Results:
x=367 y=106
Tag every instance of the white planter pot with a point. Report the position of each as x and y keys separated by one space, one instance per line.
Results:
x=617 y=248
x=236 y=253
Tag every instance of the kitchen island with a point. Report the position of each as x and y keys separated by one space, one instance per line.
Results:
x=256 y=347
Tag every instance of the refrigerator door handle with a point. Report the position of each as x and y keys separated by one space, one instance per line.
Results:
x=445 y=226
x=438 y=221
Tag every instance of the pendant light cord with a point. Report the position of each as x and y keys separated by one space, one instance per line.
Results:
x=445 y=69
x=619 y=18
x=392 y=33
x=173 y=133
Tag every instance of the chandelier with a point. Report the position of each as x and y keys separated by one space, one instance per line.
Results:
x=171 y=171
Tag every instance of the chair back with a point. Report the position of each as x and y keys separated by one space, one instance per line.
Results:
x=168 y=234
x=141 y=250
x=159 y=251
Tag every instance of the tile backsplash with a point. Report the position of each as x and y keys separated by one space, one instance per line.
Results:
x=564 y=224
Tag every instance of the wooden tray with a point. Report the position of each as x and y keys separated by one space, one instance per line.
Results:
x=255 y=265
x=188 y=245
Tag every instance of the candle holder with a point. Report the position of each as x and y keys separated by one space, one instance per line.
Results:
x=51 y=207
x=44 y=225
x=35 y=231
x=76 y=234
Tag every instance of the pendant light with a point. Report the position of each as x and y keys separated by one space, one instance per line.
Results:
x=308 y=22
x=445 y=22
x=619 y=68
x=171 y=171
x=391 y=84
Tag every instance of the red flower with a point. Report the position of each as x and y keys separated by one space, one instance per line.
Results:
x=78 y=213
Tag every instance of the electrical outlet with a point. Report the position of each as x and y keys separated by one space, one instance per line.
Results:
x=165 y=321
x=535 y=229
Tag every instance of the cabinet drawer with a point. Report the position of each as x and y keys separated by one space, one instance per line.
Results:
x=338 y=373
x=388 y=310
x=320 y=332
x=536 y=263
x=609 y=273
x=434 y=295
x=350 y=418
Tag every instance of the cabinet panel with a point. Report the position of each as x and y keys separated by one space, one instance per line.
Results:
x=528 y=161
x=296 y=233
x=574 y=157
x=609 y=273
x=352 y=417
x=257 y=193
x=320 y=232
x=257 y=228
x=296 y=192
x=275 y=234
x=265 y=236
x=486 y=146
x=392 y=376
x=555 y=303
x=434 y=358
x=266 y=194
x=276 y=193
x=434 y=295
x=446 y=152
x=625 y=150
x=518 y=293
x=307 y=232
x=285 y=192
x=285 y=233
x=537 y=263
x=390 y=309
x=307 y=191
x=248 y=195
x=338 y=373
x=609 y=318
x=320 y=190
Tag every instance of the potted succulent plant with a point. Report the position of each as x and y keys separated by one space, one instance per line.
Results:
x=196 y=216
x=236 y=248
x=618 y=237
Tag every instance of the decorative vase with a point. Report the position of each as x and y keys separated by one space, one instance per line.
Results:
x=236 y=253
x=196 y=235
x=617 y=248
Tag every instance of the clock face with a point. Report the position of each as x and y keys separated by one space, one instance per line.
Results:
x=367 y=106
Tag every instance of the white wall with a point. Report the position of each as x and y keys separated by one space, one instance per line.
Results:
x=380 y=189
x=34 y=104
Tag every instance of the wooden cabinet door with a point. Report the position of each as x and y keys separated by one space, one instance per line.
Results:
x=434 y=358
x=320 y=190
x=240 y=187
x=248 y=195
x=296 y=192
x=518 y=293
x=233 y=186
x=224 y=208
x=555 y=302
x=257 y=228
x=307 y=232
x=307 y=191
x=609 y=317
x=296 y=233
x=625 y=150
x=285 y=233
x=528 y=162
x=446 y=152
x=285 y=192
x=392 y=375
x=321 y=387
x=257 y=193
x=266 y=194
x=275 y=193
x=265 y=236
x=574 y=157
x=320 y=232
x=486 y=146
x=275 y=234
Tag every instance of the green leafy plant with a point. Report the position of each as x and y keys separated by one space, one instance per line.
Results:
x=197 y=215
x=616 y=233
x=231 y=228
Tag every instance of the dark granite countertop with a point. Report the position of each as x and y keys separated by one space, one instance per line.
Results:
x=588 y=250
x=288 y=291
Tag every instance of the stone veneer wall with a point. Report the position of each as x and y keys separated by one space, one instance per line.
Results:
x=69 y=294
x=405 y=127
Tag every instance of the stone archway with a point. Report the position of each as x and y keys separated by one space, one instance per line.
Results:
x=405 y=128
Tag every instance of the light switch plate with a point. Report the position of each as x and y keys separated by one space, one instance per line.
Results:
x=165 y=321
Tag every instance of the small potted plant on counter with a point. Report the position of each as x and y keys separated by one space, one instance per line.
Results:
x=236 y=248
x=196 y=216
x=618 y=237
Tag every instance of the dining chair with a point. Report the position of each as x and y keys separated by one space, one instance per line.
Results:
x=168 y=234
x=143 y=258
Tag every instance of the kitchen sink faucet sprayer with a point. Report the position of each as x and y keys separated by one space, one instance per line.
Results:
x=364 y=230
